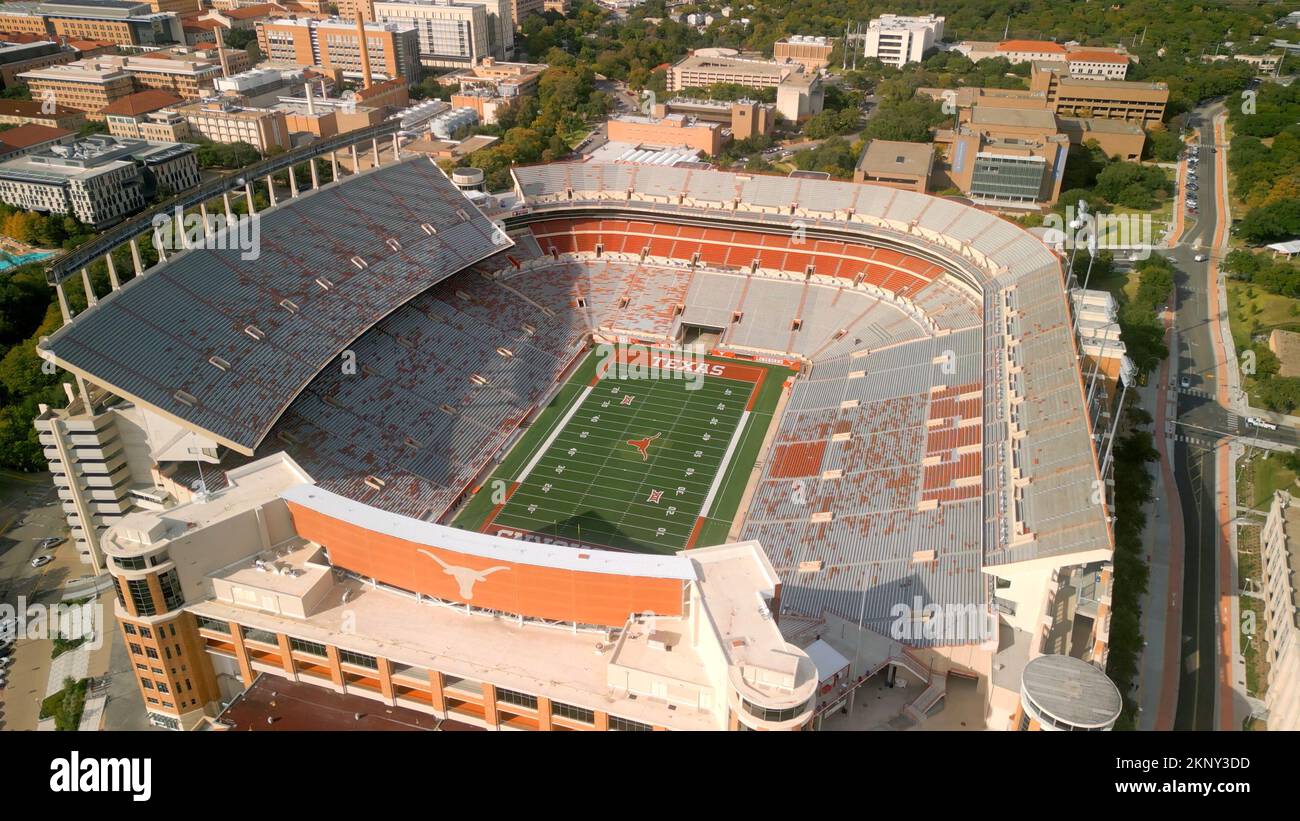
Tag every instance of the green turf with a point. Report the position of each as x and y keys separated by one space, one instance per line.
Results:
x=591 y=486
x=725 y=504
x=477 y=509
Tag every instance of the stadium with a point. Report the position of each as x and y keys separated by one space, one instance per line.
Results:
x=884 y=418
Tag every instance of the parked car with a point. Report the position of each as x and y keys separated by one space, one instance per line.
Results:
x=1185 y=382
x=41 y=561
x=50 y=541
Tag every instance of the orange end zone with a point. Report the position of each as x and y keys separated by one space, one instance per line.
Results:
x=695 y=532
x=487 y=523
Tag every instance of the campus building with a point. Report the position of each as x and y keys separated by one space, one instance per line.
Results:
x=503 y=78
x=1280 y=556
x=519 y=9
x=392 y=48
x=1070 y=96
x=897 y=40
x=225 y=122
x=28 y=139
x=15 y=58
x=1083 y=61
x=91 y=85
x=122 y=22
x=258 y=577
x=799 y=95
x=1006 y=156
x=670 y=130
x=99 y=179
x=896 y=164
x=813 y=53
x=454 y=33
x=86 y=87
x=20 y=112
x=1116 y=138
x=130 y=117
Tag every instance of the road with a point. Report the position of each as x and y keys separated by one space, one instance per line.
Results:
x=1199 y=426
x=1204 y=423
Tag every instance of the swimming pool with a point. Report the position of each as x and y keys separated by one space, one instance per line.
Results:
x=8 y=260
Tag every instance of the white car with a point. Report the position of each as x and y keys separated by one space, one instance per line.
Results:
x=1257 y=422
x=1200 y=257
x=41 y=561
x=1185 y=382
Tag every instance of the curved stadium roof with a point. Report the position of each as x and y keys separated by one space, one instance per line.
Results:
x=223 y=343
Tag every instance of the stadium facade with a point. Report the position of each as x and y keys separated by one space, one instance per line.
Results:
x=266 y=454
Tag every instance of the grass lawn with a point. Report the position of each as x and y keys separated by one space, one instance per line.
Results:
x=1253 y=644
x=1121 y=285
x=66 y=705
x=1253 y=312
x=1268 y=475
x=62 y=645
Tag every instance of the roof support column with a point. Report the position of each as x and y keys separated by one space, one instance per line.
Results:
x=135 y=256
x=374 y=147
x=203 y=212
x=315 y=175
x=396 y=145
x=179 y=232
x=63 y=303
x=355 y=163
x=248 y=197
x=334 y=165
x=230 y=212
x=113 y=281
x=91 y=299
x=293 y=184
x=270 y=187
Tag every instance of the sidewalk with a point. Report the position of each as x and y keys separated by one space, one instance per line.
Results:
x=1157 y=601
x=1162 y=607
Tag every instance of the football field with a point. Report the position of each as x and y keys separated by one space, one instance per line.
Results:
x=634 y=463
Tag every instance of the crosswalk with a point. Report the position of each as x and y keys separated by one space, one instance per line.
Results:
x=1196 y=441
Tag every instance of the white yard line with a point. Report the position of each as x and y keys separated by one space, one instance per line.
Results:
x=555 y=432
x=726 y=460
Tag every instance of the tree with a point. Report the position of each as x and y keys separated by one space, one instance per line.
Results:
x=906 y=120
x=1270 y=223
x=1162 y=146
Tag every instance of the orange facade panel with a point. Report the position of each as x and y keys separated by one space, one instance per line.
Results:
x=524 y=589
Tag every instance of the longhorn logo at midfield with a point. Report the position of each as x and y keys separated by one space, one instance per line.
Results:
x=464 y=576
x=643 y=445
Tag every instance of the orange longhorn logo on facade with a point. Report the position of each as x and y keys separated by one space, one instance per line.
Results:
x=643 y=445
x=465 y=576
